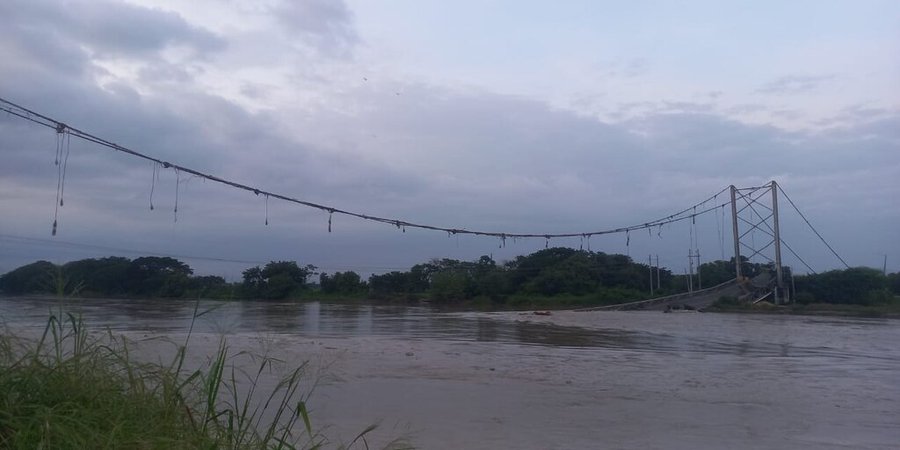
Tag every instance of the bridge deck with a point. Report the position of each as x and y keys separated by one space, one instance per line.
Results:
x=698 y=299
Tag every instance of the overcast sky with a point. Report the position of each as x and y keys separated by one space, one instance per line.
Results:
x=509 y=116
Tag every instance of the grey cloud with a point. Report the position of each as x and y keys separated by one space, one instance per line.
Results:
x=37 y=48
x=123 y=29
x=855 y=114
x=794 y=84
x=108 y=28
x=326 y=25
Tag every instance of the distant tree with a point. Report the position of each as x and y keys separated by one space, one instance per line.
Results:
x=490 y=280
x=717 y=272
x=205 y=284
x=342 y=282
x=158 y=276
x=277 y=280
x=893 y=280
x=34 y=278
x=857 y=285
x=253 y=281
x=525 y=269
x=103 y=276
x=148 y=276
x=395 y=283
x=450 y=285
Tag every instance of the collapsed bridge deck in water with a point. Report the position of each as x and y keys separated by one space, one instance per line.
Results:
x=699 y=299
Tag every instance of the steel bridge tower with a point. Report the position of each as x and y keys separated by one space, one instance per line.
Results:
x=755 y=210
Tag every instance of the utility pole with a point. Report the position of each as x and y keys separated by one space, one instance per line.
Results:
x=657 y=273
x=695 y=269
x=884 y=267
x=650 y=266
x=687 y=280
x=699 y=274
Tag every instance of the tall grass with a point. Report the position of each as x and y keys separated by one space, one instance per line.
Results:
x=71 y=389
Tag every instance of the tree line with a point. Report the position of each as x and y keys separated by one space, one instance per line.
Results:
x=554 y=276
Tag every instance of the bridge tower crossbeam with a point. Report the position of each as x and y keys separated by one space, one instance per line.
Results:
x=755 y=209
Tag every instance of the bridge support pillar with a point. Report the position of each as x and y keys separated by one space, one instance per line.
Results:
x=737 y=237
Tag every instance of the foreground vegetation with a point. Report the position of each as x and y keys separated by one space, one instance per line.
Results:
x=71 y=389
x=549 y=278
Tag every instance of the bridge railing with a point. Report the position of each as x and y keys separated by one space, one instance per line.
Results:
x=668 y=298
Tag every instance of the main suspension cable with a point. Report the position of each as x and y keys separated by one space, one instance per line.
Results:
x=41 y=119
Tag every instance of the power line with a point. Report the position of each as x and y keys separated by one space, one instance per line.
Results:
x=60 y=127
x=812 y=228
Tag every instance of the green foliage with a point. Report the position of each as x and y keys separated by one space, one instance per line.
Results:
x=855 y=286
x=893 y=281
x=804 y=298
x=154 y=276
x=450 y=285
x=277 y=280
x=342 y=283
x=64 y=286
x=414 y=281
x=34 y=278
x=104 y=276
x=581 y=277
x=882 y=296
x=204 y=285
x=73 y=389
x=146 y=277
x=717 y=272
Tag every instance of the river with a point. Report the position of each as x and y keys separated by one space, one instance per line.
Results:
x=610 y=380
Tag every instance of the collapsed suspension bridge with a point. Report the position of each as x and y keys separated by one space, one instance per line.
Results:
x=750 y=212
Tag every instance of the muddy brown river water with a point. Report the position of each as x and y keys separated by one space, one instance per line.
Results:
x=604 y=380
